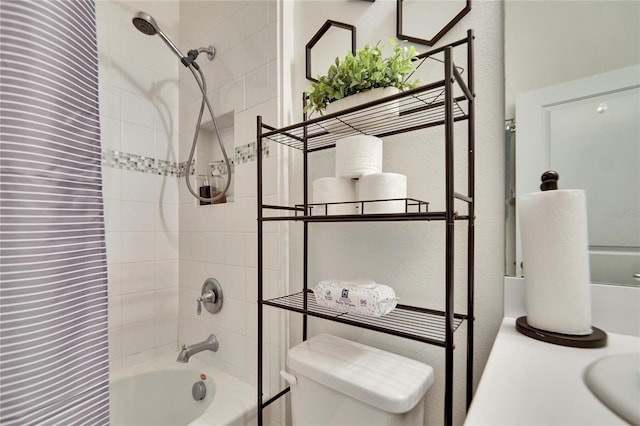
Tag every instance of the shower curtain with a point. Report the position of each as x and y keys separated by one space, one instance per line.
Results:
x=54 y=366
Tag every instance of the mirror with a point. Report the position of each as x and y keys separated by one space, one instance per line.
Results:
x=333 y=39
x=578 y=82
x=417 y=23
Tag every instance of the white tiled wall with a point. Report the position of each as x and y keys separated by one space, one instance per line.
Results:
x=220 y=241
x=161 y=244
x=139 y=115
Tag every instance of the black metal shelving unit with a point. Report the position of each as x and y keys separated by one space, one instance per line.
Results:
x=440 y=103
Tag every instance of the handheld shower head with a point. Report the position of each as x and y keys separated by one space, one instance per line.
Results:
x=147 y=25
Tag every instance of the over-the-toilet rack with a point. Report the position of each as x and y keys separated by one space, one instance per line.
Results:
x=440 y=103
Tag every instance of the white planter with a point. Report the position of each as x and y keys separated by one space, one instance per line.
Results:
x=362 y=120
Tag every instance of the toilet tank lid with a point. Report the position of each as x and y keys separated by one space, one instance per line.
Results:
x=382 y=379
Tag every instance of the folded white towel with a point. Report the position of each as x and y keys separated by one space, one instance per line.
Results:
x=361 y=296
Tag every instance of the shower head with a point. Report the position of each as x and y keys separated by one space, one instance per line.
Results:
x=147 y=25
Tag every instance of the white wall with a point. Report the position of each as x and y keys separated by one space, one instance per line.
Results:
x=138 y=113
x=553 y=41
x=220 y=241
x=410 y=256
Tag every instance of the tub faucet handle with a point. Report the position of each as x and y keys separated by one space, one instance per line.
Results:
x=209 y=297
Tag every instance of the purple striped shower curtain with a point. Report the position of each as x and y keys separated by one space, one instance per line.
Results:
x=54 y=366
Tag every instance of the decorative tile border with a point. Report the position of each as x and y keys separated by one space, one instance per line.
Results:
x=246 y=153
x=139 y=163
x=218 y=166
x=182 y=166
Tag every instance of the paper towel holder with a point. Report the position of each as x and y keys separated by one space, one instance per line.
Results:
x=549 y=180
x=596 y=339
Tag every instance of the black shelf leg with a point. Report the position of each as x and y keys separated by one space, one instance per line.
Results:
x=449 y=239
x=259 y=266
x=471 y=230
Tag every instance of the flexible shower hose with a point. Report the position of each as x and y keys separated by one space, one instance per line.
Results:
x=205 y=101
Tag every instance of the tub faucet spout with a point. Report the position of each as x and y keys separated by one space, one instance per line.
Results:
x=211 y=344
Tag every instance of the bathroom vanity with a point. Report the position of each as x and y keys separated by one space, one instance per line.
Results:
x=526 y=381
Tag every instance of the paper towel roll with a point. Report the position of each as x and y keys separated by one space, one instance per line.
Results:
x=555 y=255
x=380 y=186
x=358 y=155
x=334 y=190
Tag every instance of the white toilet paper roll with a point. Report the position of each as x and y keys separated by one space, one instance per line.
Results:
x=381 y=186
x=334 y=190
x=555 y=255
x=358 y=155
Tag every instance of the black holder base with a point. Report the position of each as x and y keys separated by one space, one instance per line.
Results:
x=597 y=338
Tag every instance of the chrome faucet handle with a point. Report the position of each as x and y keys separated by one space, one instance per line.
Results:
x=209 y=296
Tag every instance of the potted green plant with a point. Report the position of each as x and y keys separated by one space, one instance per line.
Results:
x=367 y=74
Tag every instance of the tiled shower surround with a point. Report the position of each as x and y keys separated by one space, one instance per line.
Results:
x=161 y=244
x=139 y=116
x=220 y=241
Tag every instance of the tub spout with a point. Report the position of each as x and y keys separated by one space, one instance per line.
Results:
x=211 y=344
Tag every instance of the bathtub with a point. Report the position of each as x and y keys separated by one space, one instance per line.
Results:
x=158 y=393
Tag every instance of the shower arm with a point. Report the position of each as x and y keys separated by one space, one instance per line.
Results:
x=205 y=101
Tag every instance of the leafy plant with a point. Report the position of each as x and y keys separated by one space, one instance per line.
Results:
x=367 y=69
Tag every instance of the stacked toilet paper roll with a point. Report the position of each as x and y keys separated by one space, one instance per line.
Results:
x=358 y=155
x=334 y=190
x=553 y=228
x=383 y=186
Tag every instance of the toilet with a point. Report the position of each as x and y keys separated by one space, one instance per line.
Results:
x=335 y=381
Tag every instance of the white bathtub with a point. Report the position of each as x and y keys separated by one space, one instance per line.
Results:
x=158 y=393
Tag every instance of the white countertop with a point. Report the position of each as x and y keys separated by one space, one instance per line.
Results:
x=529 y=382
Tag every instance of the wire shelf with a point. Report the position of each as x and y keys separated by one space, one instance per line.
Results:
x=362 y=211
x=363 y=207
x=407 y=111
x=421 y=324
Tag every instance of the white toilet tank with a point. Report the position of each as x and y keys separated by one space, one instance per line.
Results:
x=335 y=381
